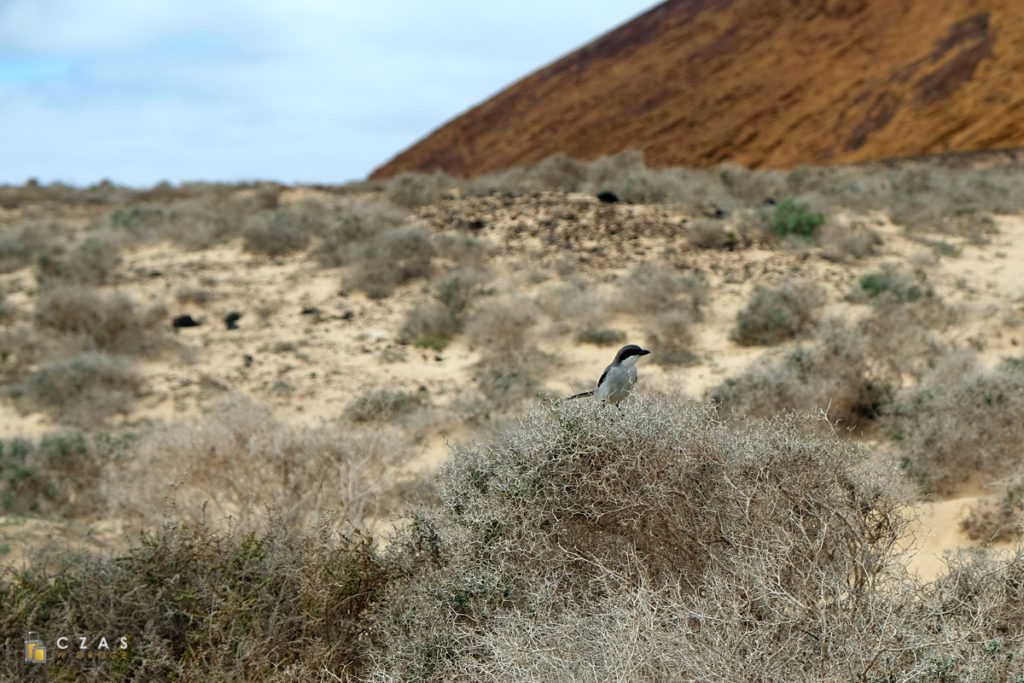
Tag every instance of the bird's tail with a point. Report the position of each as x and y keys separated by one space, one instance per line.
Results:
x=584 y=394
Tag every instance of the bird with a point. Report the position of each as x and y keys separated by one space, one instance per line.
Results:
x=619 y=378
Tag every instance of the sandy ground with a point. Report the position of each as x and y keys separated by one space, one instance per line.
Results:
x=308 y=348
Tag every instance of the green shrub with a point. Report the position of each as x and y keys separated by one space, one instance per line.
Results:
x=796 y=219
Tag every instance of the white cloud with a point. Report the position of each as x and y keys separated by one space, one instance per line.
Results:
x=309 y=90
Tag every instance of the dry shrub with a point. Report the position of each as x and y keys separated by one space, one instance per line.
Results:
x=81 y=391
x=892 y=284
x=961 y=421
x=28 y=241
x=646 y=544
x=838 y=374
x=601 y=337
x=503 y=333
x=344 y=234
x=1000 y=519
x=708 y=233
x=112 y=322
x=779 y=313
x=850 y=242
x=392 y=258
x=57 y=475
x=240 y=462
x=434 y=324
x=652 y=288
x=91 y=263
x=671 y=335
x=276 y=233
x=383 y=405
x=413 y=189
x=197 y=603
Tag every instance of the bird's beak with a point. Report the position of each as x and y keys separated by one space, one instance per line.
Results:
x=644 y=352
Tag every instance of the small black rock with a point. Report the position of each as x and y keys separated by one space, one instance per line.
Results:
x=348 y=315
x=185 y=321
x=231 y=320
x=310 y=310
x=247 y=359
x=607 y=197
x=768 y=201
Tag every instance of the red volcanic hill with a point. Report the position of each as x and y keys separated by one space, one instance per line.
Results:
x=773 y=83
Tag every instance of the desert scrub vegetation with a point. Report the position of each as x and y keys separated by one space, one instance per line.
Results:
x=392 y=258
x=797 y=220
x=510 y=361
x=56 y=475
x=601 y=337
x=960 y=422
x=343 y=234
x=433 y=324
x=412 y=190
x=24 y=243
x=240 y=462
x=838 y=373
x=112 y=322
x=82 y=391
x=91 y=263
x=666 y=543
x=199 y=603
x=999 y=519
x=383 y=405
x=892 y=284
x=775 y=314
x=574 y=543
x=276 y=233
x=651 y=288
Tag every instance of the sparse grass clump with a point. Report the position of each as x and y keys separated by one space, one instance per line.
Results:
x=780 y=313
x=81 y=391
x=107 y=322
x=392 y=258
x=503 y=332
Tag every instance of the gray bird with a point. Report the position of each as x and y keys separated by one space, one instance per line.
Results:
x=619 y=378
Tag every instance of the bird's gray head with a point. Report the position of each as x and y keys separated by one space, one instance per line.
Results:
x=630 y=353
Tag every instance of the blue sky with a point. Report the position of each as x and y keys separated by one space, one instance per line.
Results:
x=296 y=91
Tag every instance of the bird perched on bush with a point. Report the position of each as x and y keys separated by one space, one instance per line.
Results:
x=619 y=378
